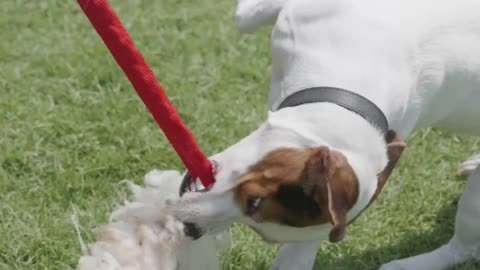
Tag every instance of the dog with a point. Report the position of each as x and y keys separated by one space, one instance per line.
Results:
x=350 y=81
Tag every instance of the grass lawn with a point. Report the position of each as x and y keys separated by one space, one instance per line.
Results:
x=71 y=128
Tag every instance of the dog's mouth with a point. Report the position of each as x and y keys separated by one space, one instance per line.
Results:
x=190 y=185
x=195 y=185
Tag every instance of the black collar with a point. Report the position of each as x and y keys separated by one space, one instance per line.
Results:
x=349 y=100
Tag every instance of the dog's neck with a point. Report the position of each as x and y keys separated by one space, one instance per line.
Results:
x=311 y=125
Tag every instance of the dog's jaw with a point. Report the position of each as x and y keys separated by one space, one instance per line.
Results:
x=276 y=233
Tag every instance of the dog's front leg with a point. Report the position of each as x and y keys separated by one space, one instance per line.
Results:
x=296 y=256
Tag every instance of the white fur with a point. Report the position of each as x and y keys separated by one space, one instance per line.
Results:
x=418 y=60
x=295 y=256
x=144 y=235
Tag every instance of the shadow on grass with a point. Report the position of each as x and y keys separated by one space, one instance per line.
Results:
x=412 y=244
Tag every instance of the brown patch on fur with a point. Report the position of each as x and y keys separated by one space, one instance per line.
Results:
x=395 y=147
x=300 y=187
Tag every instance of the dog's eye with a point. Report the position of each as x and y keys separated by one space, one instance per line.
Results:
x=253 y=204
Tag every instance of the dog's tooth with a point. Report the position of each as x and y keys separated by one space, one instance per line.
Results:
x=199 y=184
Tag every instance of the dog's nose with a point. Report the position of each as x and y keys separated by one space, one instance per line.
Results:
x=192 y=230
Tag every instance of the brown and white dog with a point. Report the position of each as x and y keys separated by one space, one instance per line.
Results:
x=311 y=169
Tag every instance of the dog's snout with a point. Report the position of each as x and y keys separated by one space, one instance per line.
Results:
x=192 y=230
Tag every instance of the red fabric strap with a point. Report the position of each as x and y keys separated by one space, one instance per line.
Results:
x=115 y=36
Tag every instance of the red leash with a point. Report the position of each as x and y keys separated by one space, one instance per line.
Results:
x=121 y=46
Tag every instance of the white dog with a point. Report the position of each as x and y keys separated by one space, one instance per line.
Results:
x=350 y=80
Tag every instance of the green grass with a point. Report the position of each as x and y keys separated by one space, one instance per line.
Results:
x=71 y=128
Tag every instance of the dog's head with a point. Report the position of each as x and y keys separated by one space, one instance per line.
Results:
x=288 y=190
x=299 y=188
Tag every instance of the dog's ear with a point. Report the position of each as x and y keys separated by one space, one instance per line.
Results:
x=330 y=180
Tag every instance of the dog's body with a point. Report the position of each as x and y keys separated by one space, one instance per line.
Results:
x=418 y=61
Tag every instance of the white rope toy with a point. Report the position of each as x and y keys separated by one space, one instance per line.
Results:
x=142 y=235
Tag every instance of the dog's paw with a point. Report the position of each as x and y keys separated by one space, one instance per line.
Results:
x=393 y=265
x=252 y=14
x=467 y=167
